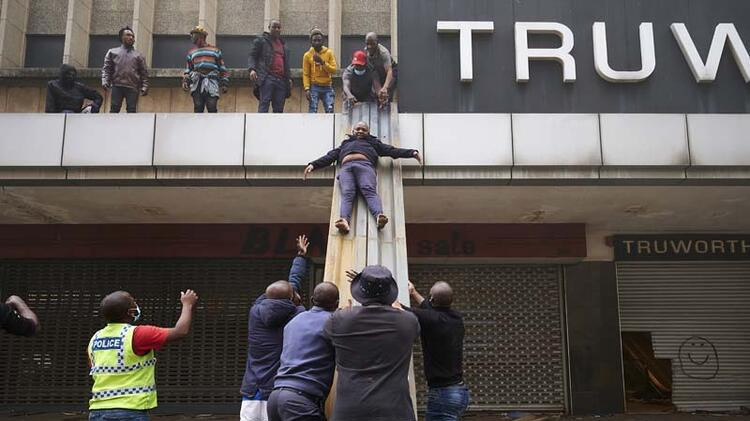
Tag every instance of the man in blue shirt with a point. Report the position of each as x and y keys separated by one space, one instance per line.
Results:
x=265 y=334
x=307 y=362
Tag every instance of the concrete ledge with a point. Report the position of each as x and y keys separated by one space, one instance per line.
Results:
x=556 y=139
x=109 y=140
x=561 y=175
x=199 y=139
x=108 y=175
x=719 y=139
x=644 y=140
x=34 y=140
x=634 y=174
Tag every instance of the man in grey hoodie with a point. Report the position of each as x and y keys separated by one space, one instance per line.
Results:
x=125 y=73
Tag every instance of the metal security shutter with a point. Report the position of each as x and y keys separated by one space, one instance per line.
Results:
x=698 y=314
x=513 y=351
x=204 y=369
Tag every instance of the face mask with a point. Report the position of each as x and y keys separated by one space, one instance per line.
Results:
x=359 y=72
x=137 y=315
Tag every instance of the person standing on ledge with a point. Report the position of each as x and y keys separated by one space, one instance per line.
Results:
x=125 y=73
x=357 y=157
x=318 y=67
x=269 y=69
x=205 y=77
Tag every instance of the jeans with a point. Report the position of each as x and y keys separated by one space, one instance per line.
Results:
x=272 y=91
x=203 y=100
x=359 y=176
x=323 y=93
x=447 y=403
x=118 y=415
x=129 y=94
x=291 y=405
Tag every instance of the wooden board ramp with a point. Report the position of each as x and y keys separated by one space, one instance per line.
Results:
x=365 y=245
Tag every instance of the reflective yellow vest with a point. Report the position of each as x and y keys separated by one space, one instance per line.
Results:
x=122 y=379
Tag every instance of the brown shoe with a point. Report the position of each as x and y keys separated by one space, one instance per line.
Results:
x=382 y=220
x=342 y=226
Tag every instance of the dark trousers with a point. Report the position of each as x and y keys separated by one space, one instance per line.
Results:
x=291 y=405
x=118 y=415
x=272 y=92
x=446 y=403
x=203 y=100
x=358 y=176
x=129 y=94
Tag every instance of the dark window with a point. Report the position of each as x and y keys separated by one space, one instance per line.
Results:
x=235 y=49
x=298 y=46
x=352 y=43
x=170 y=51
x=98 y=46
x=44 y=50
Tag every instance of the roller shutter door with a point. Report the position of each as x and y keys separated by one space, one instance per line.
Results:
x=513 y=351
x=698 y=314
x=204 y=369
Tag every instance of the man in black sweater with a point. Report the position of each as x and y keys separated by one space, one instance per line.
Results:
x=442 y=333
x=66 y=94
x=357 y=157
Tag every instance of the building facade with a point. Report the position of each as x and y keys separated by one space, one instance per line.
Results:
x=586 y=181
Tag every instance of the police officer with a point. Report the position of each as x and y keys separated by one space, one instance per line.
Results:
x=122 y=360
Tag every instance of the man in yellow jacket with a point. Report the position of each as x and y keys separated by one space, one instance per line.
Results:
x=122 y=359
x=318 y=67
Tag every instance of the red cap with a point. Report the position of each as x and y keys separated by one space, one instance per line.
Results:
x=359 y=58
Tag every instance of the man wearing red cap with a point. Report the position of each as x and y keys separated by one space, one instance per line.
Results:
x=361 y=84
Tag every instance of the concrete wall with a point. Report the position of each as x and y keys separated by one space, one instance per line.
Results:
x=175 y=17
x=30 y=99
x=299 y=16
x=47 y=16
x=362 y=16
x=108 y=16
x=240 y=17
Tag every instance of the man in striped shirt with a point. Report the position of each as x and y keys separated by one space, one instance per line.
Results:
x=205 y=76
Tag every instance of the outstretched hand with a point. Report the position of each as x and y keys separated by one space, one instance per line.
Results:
x=302 y=244
x=418 y=157
x=188 y=297
x=351 y=274
x=308 y=170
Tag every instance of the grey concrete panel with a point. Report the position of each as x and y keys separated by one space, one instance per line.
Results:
x=556 y=139
x=108 y=16
x=468 y=140
x=299 y=16
x=644 y=140
x=47 y=16
x=411 y=136
x=31 y=139
x=109 y=140
x=719 y=139
x=239 y=17
x=175 y=17
x=287 y=139
x=361 y=16
x=199 y=139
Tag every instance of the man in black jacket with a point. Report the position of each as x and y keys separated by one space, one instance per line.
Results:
x=357 y=157
x=269 y=69
x=66 y=94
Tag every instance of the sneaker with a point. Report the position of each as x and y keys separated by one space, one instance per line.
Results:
x=382 y=220
x=342 y=226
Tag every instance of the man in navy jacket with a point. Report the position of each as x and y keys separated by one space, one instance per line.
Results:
x=265 y=334
x=307 y=362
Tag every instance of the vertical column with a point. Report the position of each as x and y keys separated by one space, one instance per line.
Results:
x=207 y=18
x=76 y=50
x=270 y=11
x=334 y=28
x=394 y=29
x=143 y=26
x=15 y=16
